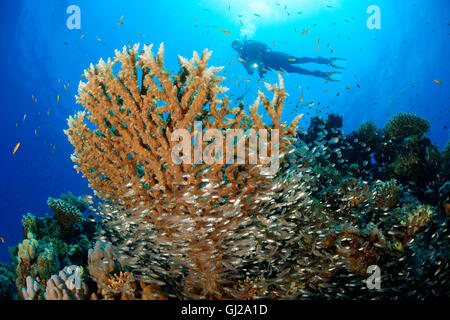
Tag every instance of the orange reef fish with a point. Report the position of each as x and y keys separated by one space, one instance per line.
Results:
x=225 y=31
x=3 y=240
x=241 y=60
x=437 y=81
x=17 y=147
x=292 y=59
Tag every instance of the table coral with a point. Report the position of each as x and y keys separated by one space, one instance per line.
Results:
x=78 y=202
x=66 y=213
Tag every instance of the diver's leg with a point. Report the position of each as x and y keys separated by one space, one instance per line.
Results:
x=295 y=69
x=332 y=76
x=305 y=60
x=333 y=62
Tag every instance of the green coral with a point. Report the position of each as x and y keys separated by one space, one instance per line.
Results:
x=417 y=217
x=446 y=158
x=7 y=287
x=446 y=151
x=369 y=134
x=29 y=225
x=47 y=263
x=406 y=124
x=403 y=166
x=27 y=249
x=36 y=259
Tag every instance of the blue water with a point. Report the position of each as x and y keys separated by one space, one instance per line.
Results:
x=394 y=66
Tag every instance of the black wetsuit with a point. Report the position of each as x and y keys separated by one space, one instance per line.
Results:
x=257 y=55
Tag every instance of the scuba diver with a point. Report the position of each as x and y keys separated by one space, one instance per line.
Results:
x=256 y=55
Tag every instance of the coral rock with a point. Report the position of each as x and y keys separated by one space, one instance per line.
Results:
x=102 y=261
x=32 y=290
x=68 y=285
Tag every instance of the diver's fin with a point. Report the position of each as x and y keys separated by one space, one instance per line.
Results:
x=338 y=63
x=335 y=76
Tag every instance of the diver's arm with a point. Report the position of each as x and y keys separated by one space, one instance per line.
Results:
x=261 y=70
x=248 y=68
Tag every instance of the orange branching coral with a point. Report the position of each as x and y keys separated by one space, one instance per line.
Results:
x=130 y=155
x=151 y=292
x=387 y=194
x=355 y=249
x=354 y=192
x=121 y=286
x=133 y=159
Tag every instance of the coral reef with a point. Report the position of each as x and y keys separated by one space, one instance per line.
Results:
x=203 y=230
x=47 y=247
